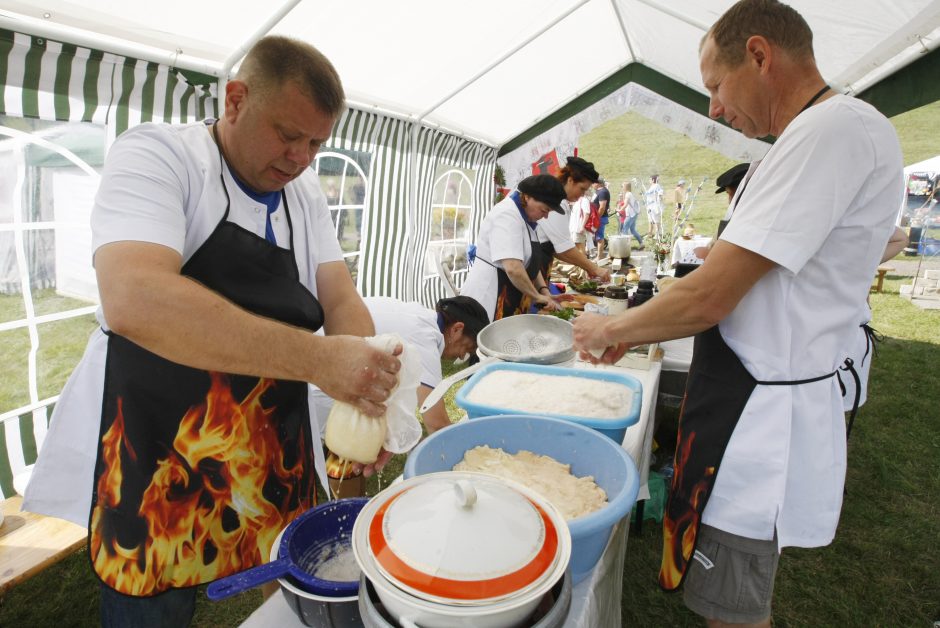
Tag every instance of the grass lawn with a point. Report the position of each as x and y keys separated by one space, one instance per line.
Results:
x=883 y=568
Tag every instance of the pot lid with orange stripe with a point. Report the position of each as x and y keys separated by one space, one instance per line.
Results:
x=464 y=538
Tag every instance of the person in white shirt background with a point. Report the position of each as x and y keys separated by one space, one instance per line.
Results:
x=580 y=212
x=653 y=198
x=761 y=452
x=577 y=175
x=447 y=332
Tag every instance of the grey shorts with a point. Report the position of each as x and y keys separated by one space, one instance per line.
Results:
x=731 y=578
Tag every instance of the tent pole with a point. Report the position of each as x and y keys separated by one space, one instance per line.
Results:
x=239 y=52
x=889 y=56
x=679 y=16
x=623 y=31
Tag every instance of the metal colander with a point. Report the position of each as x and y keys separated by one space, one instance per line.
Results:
x=532 y=338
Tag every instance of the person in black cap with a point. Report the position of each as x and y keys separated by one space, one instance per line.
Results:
x=447 y=332
x=505 y=276
x=729 y=180
x=554 y=232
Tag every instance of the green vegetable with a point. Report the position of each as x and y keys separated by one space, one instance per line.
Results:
x=587 y=286
x=565 y=313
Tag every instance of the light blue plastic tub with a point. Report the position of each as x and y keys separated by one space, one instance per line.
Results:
x=615 y=427
x=587 y=451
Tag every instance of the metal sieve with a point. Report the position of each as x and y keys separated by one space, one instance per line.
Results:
x=532 y=338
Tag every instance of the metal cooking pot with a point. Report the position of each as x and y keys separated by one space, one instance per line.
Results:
x=619 y=246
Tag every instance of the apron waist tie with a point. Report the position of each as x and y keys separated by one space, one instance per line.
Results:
x=848 y=365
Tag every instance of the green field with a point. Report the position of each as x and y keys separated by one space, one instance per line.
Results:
x=883 y=568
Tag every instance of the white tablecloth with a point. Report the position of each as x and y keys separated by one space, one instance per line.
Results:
x=595 y=601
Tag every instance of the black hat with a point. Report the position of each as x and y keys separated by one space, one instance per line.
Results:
x=466 y=310
x=731 y=178
x=583 y=168
x=544 y=188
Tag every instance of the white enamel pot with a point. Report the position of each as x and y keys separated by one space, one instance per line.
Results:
x=461 y=549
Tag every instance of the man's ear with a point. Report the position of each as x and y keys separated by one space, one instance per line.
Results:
x=457 y=329
x=236 y=93
x=759 y=52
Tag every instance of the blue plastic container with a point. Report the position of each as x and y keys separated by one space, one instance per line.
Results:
x=615 y=427
x=587 y=451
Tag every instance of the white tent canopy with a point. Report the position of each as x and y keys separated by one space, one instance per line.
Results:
x=487 y=70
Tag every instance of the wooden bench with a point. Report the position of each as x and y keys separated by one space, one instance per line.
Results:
x=880 y=277
x=29 y=542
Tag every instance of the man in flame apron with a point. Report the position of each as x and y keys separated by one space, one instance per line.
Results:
x=198 y=471
x=184 y=466
x=761 y=453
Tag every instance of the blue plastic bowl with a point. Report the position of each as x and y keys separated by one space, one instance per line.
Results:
x=587 y=451
x=615 y=427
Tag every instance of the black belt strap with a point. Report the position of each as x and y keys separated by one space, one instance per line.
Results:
x=848 y=365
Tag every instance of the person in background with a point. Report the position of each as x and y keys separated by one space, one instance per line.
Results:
x=602 y=198
x=576 y=176
x=216 y=262
x=761 y=451
x=506 y=274
x=679 y=197
x=728 y=181
x=580 y=212
x=653 y=198
x=629 y=213
x=447 y=332
x=684 y=250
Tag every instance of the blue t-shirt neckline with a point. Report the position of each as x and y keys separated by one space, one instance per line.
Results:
x=271 y=200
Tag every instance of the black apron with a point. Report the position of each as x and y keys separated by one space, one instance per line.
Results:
x=198 y=471
x=718 y=389
x=509 y=299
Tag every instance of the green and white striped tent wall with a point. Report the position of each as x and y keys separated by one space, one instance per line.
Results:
x=395 y=241
x=51 y=80
x=56 y=81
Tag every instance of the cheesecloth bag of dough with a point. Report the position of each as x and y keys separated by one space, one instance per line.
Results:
x=357 y=437
x=404 y=430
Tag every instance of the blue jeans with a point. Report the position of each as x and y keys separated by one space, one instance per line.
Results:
x=171 y=609
x=630 y=224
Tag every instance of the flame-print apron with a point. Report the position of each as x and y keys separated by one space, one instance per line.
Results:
x=509 y=299
x=198 y=471
x=717 y=391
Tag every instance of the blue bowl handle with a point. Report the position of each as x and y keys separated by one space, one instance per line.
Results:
x=244 y=580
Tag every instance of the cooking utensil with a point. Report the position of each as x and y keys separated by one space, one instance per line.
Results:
x=457 y=548
x=526 y=338
x=302 y=542
x=586 y=450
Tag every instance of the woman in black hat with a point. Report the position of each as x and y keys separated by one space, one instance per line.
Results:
x=577 y=176
x=505 y=276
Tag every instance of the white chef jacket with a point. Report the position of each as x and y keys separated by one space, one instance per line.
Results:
x=160 y=185
x=504 y=234
x=555 y=228
x=822 y=206
x=416 y=325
